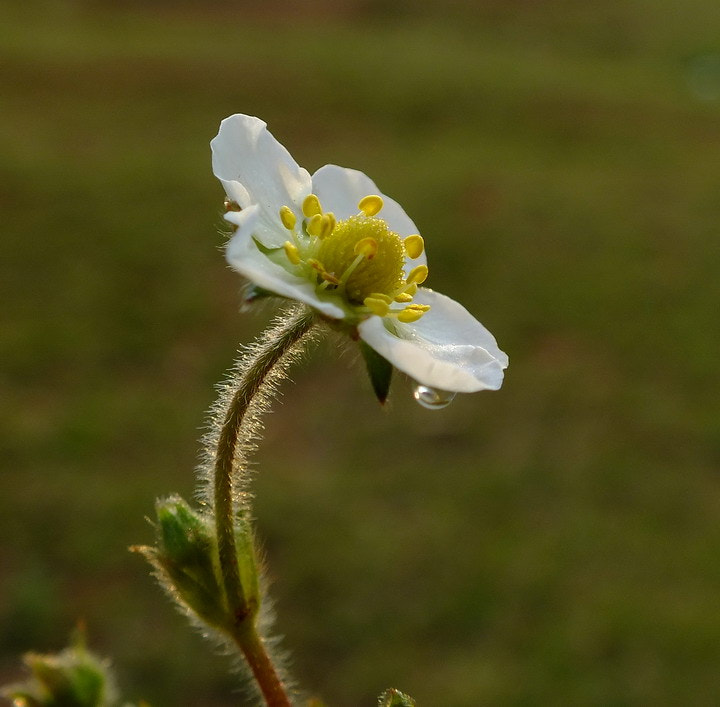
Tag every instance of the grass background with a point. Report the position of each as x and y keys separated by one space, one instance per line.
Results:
x=553 y=543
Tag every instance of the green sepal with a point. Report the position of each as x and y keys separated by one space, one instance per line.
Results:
x=274 y=255
x=247 y=564
x=252 y=293
x=185 y=557
x=265 y=250
x=395 y=698
x=379 y=369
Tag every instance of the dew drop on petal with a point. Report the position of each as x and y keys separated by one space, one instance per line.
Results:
x=432 y=398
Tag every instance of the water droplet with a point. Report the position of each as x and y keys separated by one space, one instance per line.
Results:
x=432 y=398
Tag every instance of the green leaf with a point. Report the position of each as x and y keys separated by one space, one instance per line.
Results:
x=379 y=369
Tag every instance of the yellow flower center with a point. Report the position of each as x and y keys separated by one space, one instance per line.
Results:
x=380 y=271
x=358 y=259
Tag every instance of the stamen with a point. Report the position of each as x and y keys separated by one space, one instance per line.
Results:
x=408 y=288
x=414 y=246
x=349 y=270
x=380 y=295
x=364 y=248
x=292 y=252
x=287 y=217
x=231 y=205
x=315 y=224
x=377 y=306
x=418 y=275
x=328 y=278
x=328 y=224
x=367 y=247
x=410 y=315
x=406 y=292
x=311 y=206
x=371 y=204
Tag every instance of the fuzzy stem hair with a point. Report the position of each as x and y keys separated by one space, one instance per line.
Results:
x=246 y=395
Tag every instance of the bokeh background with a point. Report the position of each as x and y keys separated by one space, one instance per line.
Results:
x=556 y=542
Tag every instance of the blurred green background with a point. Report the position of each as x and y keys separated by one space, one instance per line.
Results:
x=556 y=542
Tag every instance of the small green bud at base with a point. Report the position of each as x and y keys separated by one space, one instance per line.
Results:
x=185 y=560
x=395 y=698
x=186 y=553
x=73 y=677
x=187 y=564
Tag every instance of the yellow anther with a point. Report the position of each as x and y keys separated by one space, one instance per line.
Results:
x=406 y=292
x=371 y=204
x=418 y=275
x=367 y=247
x=419 y=307
x=329 y=278
x=287 y=217
x=328 y=224
x=315 y=224
x=292 y=252
x=311 y=206
x=377 y=306
x=380 y=295
x=414 y=246
x=408 y=316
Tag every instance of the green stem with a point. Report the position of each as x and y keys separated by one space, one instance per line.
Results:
x=266 y=355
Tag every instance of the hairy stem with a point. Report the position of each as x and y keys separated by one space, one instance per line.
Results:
x=257 y=658
x=257 y=371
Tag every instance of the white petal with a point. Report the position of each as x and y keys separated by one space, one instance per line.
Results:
x=244 y=256
x=256 y=169
x=446 y=349
x=340 y=190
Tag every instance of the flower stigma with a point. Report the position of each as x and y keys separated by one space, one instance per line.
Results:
x=358 y=259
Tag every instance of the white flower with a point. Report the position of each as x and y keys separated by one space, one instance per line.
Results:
x=334 y=242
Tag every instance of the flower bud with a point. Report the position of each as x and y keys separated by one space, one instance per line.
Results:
x=185 y=555
x=187 y=563
x=72 y=677
x=395 y=698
